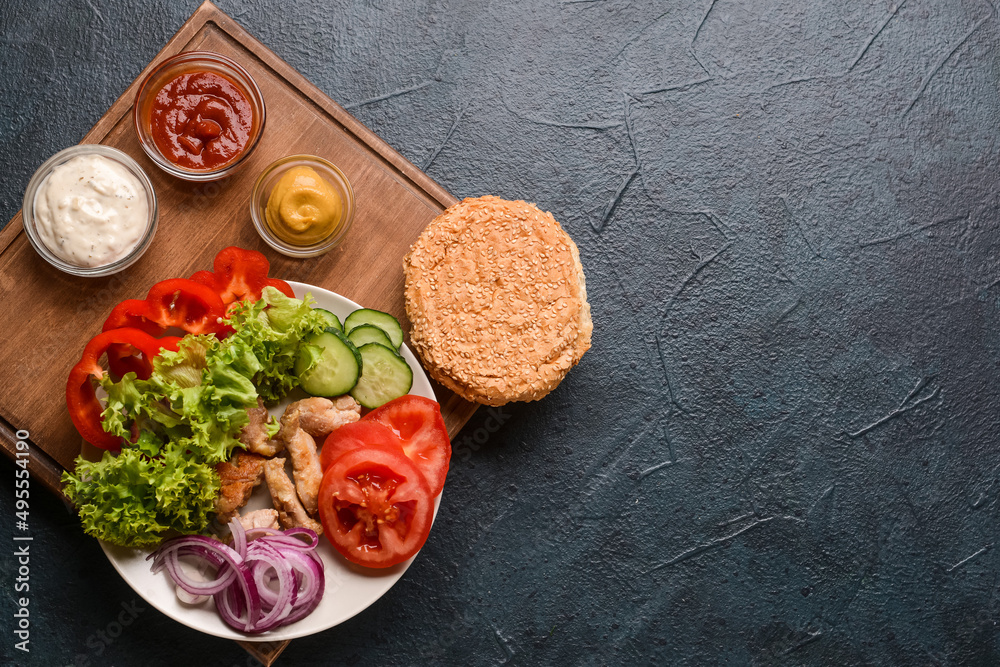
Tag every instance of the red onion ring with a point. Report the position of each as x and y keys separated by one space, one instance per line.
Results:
x=246 y=572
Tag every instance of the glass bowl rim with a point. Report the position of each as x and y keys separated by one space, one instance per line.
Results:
x=45 y=170
x=184 y=58
x=284 y=247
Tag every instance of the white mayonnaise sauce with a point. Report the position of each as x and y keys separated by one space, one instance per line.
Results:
x=91 y=211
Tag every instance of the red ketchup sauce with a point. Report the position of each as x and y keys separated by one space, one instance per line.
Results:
x=201 y=120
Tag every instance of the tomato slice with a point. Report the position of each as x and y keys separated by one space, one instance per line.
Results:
x=357 y=435
x=419 y=424
x=375 y=506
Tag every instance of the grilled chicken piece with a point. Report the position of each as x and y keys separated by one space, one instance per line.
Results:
x=254 y=434
x=320 y=416
x=265 y=518
x=305 y=461
x=303 y=420
x=290 y=510
x=239 y=476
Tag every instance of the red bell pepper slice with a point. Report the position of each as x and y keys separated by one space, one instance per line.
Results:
x=127 y=314
x=240 y=274
x=184 y=304
x=131 y=314
x=179 y=303
x=84 y=407
x=122 y=360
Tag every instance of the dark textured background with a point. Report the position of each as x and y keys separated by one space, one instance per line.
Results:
x=782 y=448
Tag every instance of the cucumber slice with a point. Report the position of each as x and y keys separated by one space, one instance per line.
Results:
x=384 y=321
x=337 y=363
x=385 y=376
x=368 y=333
x=331 y=319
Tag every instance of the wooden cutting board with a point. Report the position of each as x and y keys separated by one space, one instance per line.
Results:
x=57 y=314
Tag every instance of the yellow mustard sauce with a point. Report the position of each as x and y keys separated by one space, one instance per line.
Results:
x=303 y=208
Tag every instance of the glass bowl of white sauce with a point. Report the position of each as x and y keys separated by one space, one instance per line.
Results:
x=90 y=210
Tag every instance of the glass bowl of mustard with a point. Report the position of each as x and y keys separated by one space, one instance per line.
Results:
x=302 y=205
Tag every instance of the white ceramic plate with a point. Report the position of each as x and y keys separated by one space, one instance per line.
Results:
x=349 y=588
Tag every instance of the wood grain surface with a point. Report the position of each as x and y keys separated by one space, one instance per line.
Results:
x=52 y=315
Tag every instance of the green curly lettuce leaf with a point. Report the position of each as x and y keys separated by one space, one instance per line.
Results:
x=132 y=499
x=272 y=329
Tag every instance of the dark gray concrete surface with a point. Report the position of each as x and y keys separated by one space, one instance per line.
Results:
x=784 y=445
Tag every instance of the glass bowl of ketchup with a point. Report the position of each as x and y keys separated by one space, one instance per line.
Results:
x=199 y=115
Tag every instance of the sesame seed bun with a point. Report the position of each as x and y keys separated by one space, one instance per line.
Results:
x=497 y=301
